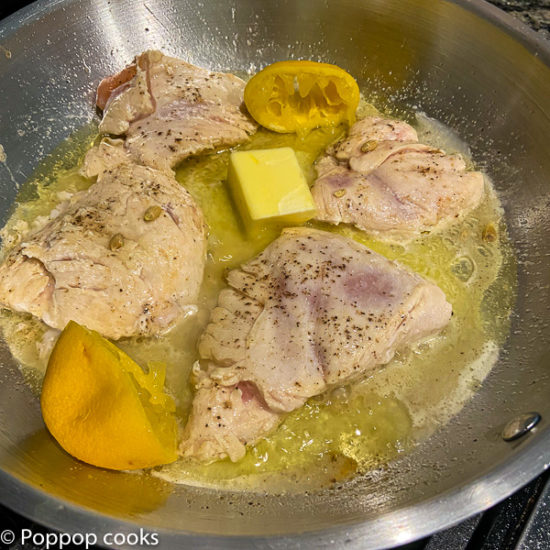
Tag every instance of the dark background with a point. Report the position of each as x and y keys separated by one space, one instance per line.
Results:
x=535 y=13
x=521 y=522
x=9 y=6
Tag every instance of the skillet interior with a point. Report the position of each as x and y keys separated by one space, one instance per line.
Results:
x=462 y=63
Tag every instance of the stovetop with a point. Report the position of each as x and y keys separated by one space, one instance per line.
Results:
x=521 y=522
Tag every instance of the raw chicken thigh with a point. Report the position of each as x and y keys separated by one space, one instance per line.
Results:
x=124 y=257
x=313 y=311
x=383 y=181
x=168 y=110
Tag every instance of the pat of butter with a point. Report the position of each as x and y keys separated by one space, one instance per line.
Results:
x=269 y=186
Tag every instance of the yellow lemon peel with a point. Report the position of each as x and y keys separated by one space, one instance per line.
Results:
x=298 y=96
x=102 y=408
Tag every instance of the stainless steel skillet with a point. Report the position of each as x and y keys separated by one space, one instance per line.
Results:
x=462 y=62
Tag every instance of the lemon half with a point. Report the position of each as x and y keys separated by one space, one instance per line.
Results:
x=298 y=96
x=102 y=408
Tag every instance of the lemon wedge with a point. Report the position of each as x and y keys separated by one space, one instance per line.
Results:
x=102 y=408
x=298 y=96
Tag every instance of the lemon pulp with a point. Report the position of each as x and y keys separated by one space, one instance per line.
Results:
x=297 y=96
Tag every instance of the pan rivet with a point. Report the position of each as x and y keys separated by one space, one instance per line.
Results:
x=520 y=425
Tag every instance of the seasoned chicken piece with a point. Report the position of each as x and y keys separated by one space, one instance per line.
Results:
x=367 y=133
x=383 y=181
x=169 y=109
x=125 y=257
x=313 y=311
x=106 y=155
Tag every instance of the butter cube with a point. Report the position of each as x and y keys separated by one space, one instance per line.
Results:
x=268 y=186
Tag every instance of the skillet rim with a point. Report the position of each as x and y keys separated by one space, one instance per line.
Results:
x=393 y=528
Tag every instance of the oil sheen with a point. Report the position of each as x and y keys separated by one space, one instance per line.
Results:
x=352 y=429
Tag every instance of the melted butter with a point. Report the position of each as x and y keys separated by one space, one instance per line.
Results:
x=352 y=429
x=326 y=440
